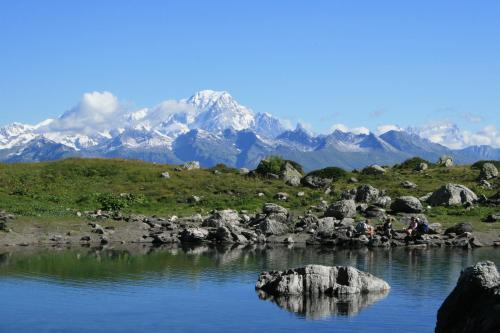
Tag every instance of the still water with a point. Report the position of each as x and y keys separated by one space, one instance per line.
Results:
x=206 y=289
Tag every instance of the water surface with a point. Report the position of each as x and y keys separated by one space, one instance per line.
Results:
x=206 y=289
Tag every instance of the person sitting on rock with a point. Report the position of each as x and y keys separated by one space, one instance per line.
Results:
x=422 y=227
x=412 y=227
x=387 y=229
x=364 y=228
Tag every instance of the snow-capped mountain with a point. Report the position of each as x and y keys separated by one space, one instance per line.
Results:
x=212 y=127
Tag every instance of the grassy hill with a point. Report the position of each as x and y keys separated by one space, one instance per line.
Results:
x=60 y=189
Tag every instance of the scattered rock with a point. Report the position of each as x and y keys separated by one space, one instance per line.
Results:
x=459 y=229
x=290 y=175
x=407 y=204
x=446 y=161
x=222 y=218
x=192 y=165
x=165 y=175
x=282 y=196
x=342 y=209
x=422 y=166
x=194 y=199
x=408 y=184
x=244 y=171
x=366 y=193
x=316 y=181
x=301 y=194
x=452 y=194
x=473 y=305
x=384 y=201
x=488 y=171
x=493 y=218
x=320 y=280
x=373 y=170
x=194 y=235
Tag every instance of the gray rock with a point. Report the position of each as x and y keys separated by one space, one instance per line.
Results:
x=407 y=204
x=164 y=238
x=384 y=201
x=452 y=194
x=422 y=167
x=282 y=196
x=290 y=175
x=473 y=305
x=194 y=235
x=222 y=218
x=408 y=184
x=244 y=171
x=316 y=182
x=493 y=218
x=342 y=209
x=320 y=280
x=374 y=170
x=488 y=171
x=366 y=193
x=272 y=208
x=192 y=165
x=165 y=175
x=459 y=229
x=446 y=161
x=269 y=226
x=349 y=194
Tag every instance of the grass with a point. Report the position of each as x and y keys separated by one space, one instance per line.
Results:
x=55 y=191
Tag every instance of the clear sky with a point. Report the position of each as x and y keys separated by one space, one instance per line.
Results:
x=359 y=63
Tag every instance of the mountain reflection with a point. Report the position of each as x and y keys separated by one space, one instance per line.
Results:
x=321 y=306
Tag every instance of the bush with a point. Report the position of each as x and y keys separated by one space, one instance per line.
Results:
x=116 y=202
x=222 y=168
x=412 y=163
x=479 y=164
x=276 y=164
x=333 y=173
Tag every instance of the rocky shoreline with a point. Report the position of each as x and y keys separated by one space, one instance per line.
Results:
x=334 y=227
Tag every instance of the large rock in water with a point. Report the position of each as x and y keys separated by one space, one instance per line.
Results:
x=342 y=209
x=407 y=204
x=320 y=280
x=474 y=305
x=222 y=218
x=452 y=194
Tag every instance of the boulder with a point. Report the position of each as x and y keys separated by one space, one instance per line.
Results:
x=269 y=226
x=452 y=194
x=165 y=175
x=488 y=171
x=422 y=166
x=222 y=218
x=290 y=175
x=384 y=201
x=316 y=181
x=366 y=193
x=473 y=305
x=445 y=160
x=194 y=235
x=281 y=196
x=373 y=170
x=349 y=194
x=244 y=171
x=407 y=204
x=320 y=280
x=493 y=218
x=459 y=229
x=272 y=208
x=341 y=209
x=192 y=165
x=408 y=184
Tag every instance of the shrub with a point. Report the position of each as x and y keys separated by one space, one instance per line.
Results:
x=276 y=164
x=116 y=202
x=334 y=173
x=411 y=163
x=479 y=164
x=222 y=168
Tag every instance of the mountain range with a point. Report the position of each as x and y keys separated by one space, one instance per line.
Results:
x=210 y=127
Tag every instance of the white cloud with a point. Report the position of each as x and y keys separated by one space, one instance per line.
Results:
x=448 y=134
x=386 y=128
x=339 y=127
x=96 y=111
x=355 y=130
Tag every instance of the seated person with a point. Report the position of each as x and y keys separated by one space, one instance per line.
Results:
x=387 y=229
x=364 y=228
x=412 y=227
x=422 y=227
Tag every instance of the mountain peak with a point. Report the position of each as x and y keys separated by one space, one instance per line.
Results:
x=206 y=99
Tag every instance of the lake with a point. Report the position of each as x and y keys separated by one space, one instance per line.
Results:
x=208 y=289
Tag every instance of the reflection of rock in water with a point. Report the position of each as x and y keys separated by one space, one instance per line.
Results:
x=321 y=306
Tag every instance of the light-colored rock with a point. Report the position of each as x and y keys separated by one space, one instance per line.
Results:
x=290 y=175
x=488 y=171
x=244 y=171
x=384 y=201
x=282 y=196
x=422 y=166
x=342 y=209
x=474 y=304
x=407 y=204
x=408 y=184
x=366 y=193
x=192 y=165
x=165 y=175
x=320 y=280
x=452 y=194
x=222 y=218
x=446 y=161
x=194 y=234
x=316 y=182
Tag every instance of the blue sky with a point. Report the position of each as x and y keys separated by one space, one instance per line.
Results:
x=359 y=63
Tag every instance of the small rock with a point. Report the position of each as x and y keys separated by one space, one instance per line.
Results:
x=192 y=165
x=165 y=175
